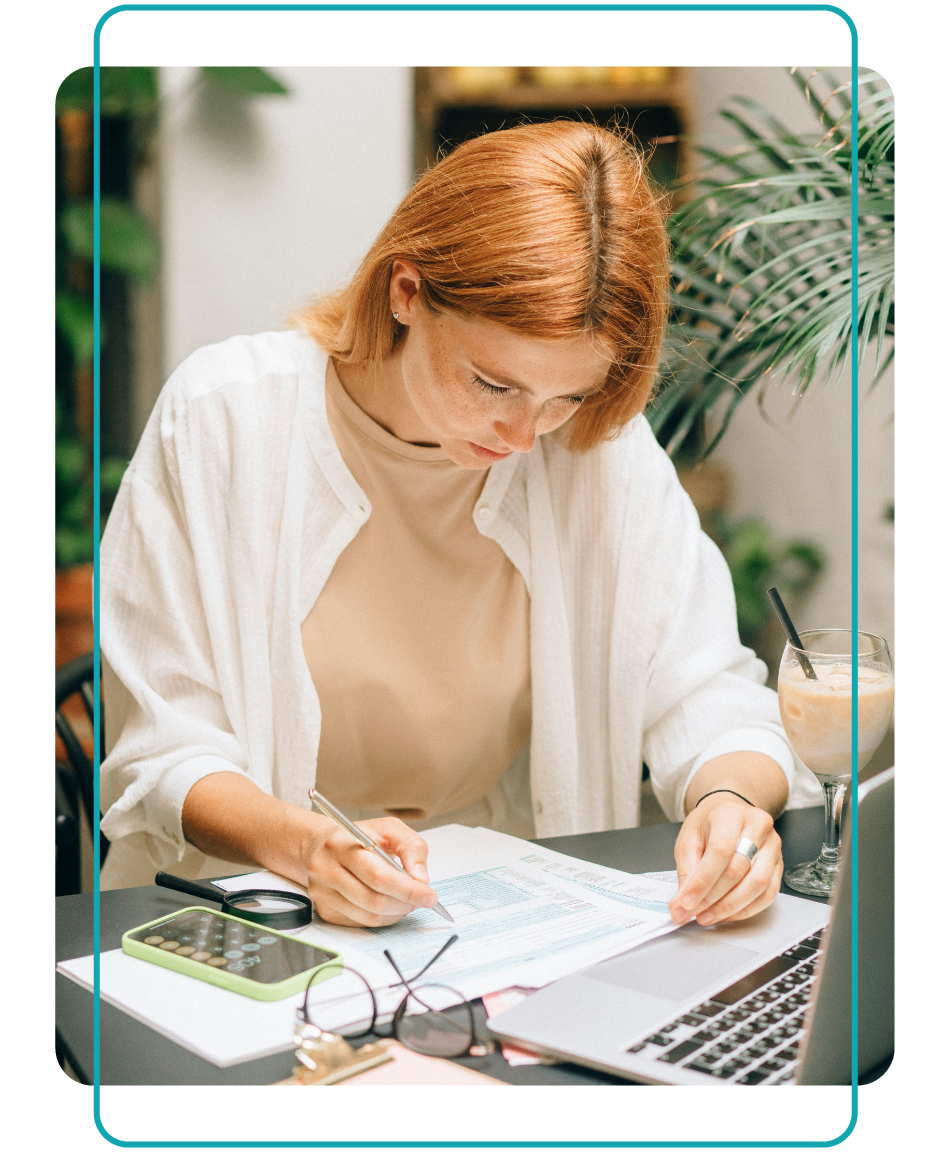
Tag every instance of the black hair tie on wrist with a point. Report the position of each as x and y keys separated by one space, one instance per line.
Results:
x=713 y=793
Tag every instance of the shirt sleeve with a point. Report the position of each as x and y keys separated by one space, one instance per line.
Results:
x=166 y=724
x=706 y=694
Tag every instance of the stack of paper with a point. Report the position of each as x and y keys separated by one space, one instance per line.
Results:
x=524 y=916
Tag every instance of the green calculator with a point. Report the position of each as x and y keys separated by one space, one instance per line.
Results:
x=232 y=953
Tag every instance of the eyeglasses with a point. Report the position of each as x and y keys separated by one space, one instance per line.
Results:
x=445 y=1026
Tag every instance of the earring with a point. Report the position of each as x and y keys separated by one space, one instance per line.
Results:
x=395 y=315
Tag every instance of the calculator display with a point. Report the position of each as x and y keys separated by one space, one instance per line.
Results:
x=244 y=949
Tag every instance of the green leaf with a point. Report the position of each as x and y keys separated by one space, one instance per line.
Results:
x=245 y=81
x=127 y=242
x=73 y=546
x=71 y=460
x=800 y=565
x=74 y=318
x=756 y=562
x=111 y=471
x=123 y=91
x=76 y=91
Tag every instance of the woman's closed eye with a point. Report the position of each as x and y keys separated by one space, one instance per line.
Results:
x=492 y=389
x=495 y=390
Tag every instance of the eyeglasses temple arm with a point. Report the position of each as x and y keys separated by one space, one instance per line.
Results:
x=448 y=944
x=402 y=980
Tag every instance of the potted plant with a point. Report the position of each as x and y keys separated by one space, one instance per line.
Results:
x=762 y=258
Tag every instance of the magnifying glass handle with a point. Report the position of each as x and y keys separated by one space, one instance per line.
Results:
x=166 y=880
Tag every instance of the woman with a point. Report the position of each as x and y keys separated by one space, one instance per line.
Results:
x=425 y=542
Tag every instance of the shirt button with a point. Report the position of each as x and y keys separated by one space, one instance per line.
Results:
x=484 y=511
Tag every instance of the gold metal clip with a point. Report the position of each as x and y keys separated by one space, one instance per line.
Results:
x=325 y=1058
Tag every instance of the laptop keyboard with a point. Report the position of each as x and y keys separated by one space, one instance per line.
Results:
x=748 y=1033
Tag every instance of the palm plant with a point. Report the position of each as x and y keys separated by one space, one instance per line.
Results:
x=762 y=259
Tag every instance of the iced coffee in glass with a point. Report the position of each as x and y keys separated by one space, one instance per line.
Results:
x=816 y=694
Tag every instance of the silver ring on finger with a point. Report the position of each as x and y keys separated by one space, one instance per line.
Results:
x=747 y=848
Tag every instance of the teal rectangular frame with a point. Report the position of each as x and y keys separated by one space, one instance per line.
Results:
x=854 y=563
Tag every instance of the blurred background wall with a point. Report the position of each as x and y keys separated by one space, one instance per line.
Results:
x=264 y=203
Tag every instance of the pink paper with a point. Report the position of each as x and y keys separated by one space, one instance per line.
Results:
x=498 y=1002
x=410 y=1067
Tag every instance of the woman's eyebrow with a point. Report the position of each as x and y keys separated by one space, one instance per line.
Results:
x=507 y=382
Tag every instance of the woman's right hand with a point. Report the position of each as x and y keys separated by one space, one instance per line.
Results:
x=350 y=885
x=227 y=816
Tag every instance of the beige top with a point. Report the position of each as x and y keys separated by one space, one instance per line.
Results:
x=418 y=644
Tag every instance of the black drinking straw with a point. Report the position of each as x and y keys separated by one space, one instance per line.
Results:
x=793 y=638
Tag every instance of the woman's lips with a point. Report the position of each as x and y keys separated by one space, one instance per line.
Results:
x=486 y=453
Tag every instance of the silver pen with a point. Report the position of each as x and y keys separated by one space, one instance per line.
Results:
x=363 y=840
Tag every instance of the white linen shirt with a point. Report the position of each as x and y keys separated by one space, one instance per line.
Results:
x=228 y=522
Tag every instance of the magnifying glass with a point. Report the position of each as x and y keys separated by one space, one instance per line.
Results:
x=284 y=911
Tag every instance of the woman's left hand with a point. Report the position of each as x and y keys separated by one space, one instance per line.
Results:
x=717 y=883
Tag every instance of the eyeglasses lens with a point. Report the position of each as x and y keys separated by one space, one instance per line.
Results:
x=352 y=1016
x=357 y=1017
x=445 y=1029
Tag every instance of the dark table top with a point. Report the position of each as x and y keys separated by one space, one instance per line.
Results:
x=132 y=1053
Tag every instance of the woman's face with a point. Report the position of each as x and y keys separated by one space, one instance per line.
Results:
x=480 y=390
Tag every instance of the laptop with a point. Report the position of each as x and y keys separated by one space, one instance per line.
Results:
x=765 y=1001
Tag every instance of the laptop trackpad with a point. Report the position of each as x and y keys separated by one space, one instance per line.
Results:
x=674 y=966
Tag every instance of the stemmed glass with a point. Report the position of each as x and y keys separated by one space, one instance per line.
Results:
x=816 y=715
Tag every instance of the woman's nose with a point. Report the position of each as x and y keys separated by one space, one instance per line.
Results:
x=518 y=433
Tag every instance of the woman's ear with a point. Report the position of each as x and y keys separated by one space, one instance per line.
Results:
x=404 y=290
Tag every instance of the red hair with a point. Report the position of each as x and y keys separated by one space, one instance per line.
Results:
x=550 y=229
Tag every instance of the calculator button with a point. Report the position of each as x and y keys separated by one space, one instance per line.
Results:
x=217 y=962
x=154 y=940
x=185 y=951
x=234 y=954
x=201 y=956
x=169 y=946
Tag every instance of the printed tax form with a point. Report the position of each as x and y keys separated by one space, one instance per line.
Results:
x=524 y=915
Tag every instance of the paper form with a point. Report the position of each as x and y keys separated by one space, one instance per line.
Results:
x=524 y=915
